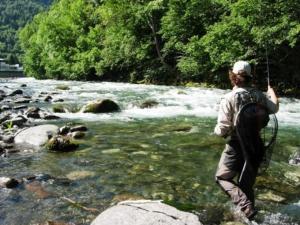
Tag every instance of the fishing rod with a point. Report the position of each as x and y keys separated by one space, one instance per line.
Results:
x=268 y=69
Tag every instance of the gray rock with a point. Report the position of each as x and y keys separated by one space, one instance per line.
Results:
x=144 y=212
x=58 y=100
x=20 y=107
x=6 y=182
x=79 y=128
x=2 y=93
x=5 y=107
x=16 y=92
x=64 y=130
x=33 y=112
x=19 y=121
x=77 y=134
x=22 y=100
x=51 y=117
x=4 y=117
x=101 y=106
x=33 y=115
x=8 y=139
x=36 y=136
x=48 y=98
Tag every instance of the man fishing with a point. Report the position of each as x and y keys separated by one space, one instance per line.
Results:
x=233 y=160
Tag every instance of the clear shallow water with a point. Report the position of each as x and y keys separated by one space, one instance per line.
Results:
x=167 y=152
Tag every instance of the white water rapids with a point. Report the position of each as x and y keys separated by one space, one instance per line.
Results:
x=173 y=101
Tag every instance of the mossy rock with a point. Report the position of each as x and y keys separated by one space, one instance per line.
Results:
x=58 y=109
x=101 y=106
x=61 y=144
x=63 y=87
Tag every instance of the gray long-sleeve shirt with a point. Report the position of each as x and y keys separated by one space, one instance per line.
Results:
x=229 y=107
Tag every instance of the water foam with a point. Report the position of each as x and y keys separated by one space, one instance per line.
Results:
x=172 y=101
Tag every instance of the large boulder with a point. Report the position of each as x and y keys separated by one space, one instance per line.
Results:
x=145 y=212
x=101 y=106
x=36 y=136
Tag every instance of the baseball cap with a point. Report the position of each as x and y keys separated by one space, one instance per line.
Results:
x=242 y=66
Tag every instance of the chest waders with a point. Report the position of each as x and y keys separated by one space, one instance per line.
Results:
x=256 y=130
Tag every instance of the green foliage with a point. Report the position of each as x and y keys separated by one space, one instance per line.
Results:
x=162 y=41
x=14 y=15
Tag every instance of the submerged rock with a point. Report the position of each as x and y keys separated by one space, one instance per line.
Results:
x=101 y=106
x=125 y=197
x=36 y=188
x=36 y=136
x=56 y=223
x=80 y=174
x=145 y=212
x=149 y=104
x=270 y=196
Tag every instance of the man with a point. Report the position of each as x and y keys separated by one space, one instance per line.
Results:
x=232 y=159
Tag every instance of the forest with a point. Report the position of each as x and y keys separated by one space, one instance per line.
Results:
x=165 y=41
x=14 y=14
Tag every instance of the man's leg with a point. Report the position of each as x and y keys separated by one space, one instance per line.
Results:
x=224 y=177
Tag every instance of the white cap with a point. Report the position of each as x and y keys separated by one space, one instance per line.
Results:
x=242 y=66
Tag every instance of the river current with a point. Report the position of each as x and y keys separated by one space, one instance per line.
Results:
x=165 y=152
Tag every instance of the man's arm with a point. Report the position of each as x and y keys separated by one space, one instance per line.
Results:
x=224 y=124
x=273 y=98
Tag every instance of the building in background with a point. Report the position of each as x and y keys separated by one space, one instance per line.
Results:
x=7 y=70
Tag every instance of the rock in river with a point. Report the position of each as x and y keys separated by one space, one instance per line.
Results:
x=37 y=136
x=61 y=144
x=7 y=182
x=101 y=106
x=145 y=212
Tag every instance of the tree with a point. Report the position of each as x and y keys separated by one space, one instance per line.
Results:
x=14 y=15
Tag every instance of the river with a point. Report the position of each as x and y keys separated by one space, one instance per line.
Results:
x=166 y=152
